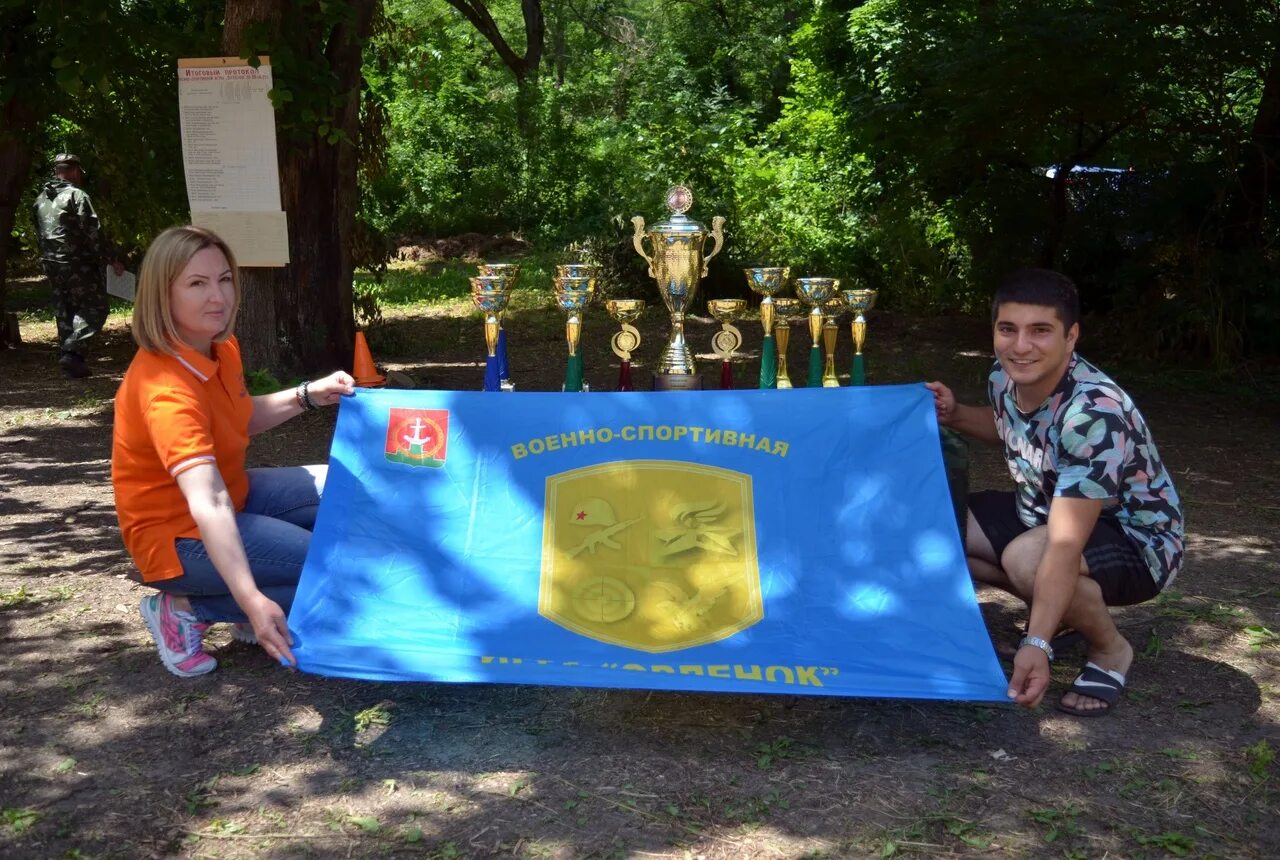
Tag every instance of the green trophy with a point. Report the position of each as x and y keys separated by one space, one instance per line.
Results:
x=573 y=294
x=860 y=302
x=768 y=281
x=816 y=292
x=785 y=310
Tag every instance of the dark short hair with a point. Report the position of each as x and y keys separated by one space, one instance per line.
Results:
x=1043 y=287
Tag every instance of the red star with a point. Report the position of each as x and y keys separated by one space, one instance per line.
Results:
x=582 y=515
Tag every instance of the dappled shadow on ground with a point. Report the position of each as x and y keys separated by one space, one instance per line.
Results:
x=104 y=753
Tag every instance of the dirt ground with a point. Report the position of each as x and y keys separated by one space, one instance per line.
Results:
x=104 y=754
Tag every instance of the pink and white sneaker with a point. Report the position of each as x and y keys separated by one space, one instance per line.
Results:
x=178 y=637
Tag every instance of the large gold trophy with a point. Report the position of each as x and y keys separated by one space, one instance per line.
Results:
x=677 y=263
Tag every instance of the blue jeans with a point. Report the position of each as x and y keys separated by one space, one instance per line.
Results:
x=275 y=528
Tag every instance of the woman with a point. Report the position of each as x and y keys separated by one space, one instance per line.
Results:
x=219 y=542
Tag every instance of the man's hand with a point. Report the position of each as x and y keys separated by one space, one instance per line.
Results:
x=328 y=391
x=270 y=626
x=944 y=401
x=1030 y=676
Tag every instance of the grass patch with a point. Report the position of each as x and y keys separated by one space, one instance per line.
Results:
x=18 y=820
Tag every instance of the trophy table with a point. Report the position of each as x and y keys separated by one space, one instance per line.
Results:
x=677 y=264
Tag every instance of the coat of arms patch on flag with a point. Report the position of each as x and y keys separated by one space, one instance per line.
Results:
x=650 y=554
x=418 y=437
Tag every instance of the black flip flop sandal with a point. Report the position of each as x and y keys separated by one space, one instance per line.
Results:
x=1096 y=683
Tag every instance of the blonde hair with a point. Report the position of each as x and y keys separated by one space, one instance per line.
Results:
x=169 y=254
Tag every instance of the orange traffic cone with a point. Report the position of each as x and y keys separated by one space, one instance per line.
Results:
x=366 y=374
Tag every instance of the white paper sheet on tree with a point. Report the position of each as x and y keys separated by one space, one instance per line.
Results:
x=229 y=156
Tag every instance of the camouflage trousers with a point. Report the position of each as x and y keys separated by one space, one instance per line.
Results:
x=80 y=302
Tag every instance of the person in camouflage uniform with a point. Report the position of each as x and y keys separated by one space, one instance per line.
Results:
x=73 y=253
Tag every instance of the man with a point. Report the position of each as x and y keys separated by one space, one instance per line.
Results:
x=73 y=253
x=1095 y=520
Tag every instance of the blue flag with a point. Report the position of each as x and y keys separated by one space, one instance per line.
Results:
x=754 y=541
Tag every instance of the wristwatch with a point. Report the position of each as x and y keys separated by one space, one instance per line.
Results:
x=1037 y=642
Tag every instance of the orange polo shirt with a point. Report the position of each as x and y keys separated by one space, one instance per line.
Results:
x=174 y=412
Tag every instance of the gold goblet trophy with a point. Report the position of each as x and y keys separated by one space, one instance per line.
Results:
x=816 y=292
x=768 y=281
x=785 y=311
x=510 y=271
x=830 y=333
x=677 y=264
x=728 y=339
x=573 y=294
x=627 y=339
x=491 y=294
x=860 y=302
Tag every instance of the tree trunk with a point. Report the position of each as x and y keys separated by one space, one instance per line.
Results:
x=298 y=319
x=1256 y=180
x=17 y=123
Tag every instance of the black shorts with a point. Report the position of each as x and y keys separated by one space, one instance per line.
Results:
x=1114 y=560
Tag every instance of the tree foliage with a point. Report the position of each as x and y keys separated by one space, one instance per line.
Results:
x=920 y=148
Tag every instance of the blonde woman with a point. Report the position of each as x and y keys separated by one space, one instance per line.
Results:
x=218 y=541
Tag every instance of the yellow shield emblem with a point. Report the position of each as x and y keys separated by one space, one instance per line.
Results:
x=655 y=555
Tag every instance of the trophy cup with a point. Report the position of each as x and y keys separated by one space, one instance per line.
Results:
x=510 y=271
x=860 y=302
x=491 y=294
x=578 y=270
x=573 y=294
x=768 y=281
x=784 y=309
x=728 y=339
x=677 y=264
x=626 y=341
x=816 y=292
x=830 y=332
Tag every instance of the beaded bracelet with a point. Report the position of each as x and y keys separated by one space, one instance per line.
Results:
x=304 y=398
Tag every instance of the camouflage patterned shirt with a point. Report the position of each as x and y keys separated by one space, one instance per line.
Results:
x=67 y=225
x=1088 y=440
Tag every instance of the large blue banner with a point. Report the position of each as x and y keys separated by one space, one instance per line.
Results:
x=737 y=541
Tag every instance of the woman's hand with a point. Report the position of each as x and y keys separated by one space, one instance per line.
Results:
x=270 y=626
x=328 y=391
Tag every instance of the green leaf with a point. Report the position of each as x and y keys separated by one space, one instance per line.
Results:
x=367 y=823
